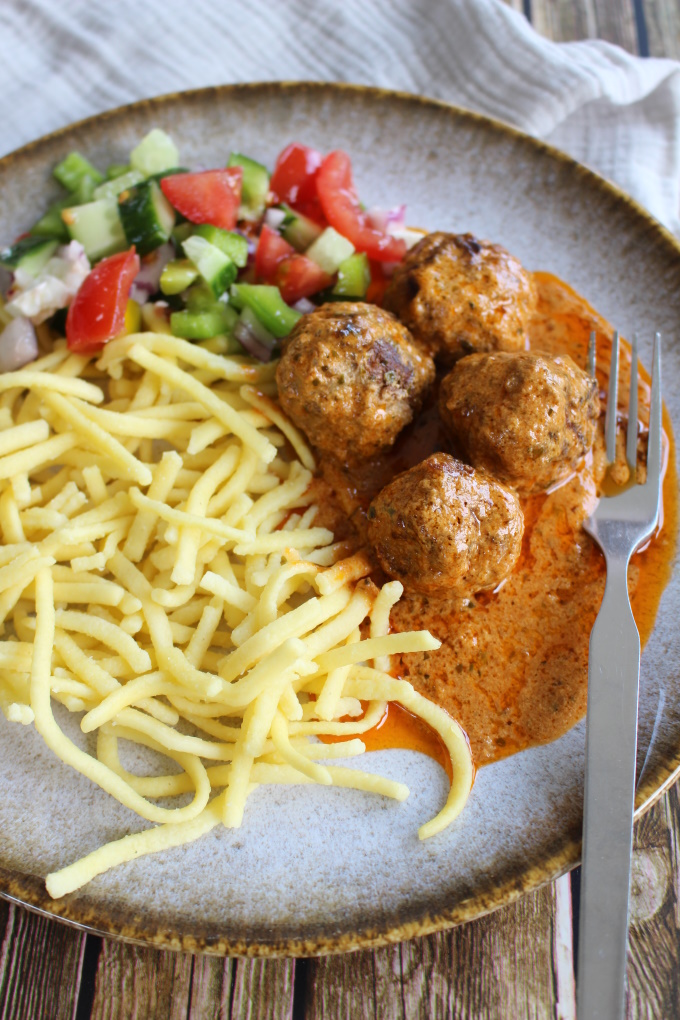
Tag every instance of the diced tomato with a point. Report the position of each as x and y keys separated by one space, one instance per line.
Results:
x=271 y=249
x=341 y=208
x=299 y=277
x=278 y=263
x=294 y=177
x=211 y=196
x=97 y=312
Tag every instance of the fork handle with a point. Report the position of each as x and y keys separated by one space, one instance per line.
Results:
x=611 y=744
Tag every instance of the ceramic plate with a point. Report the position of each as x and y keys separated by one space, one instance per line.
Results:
x=310 y=872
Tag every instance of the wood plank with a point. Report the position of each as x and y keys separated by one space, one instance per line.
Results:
x=654 y=944
x=564 y=20
x=146 y=984
x=210 y=989
x=502 y=965
x=662 y=18
x=516 y=962
x=343 y=988
x=40 y=966
x=569 y=20
x=615 y=22
x=263 y=990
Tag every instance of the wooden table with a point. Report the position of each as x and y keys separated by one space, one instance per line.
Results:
x=517 y=964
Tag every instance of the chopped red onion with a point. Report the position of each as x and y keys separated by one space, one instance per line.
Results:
x=147 y=280
x=251 y=343
x=304 y=305
x=387 y=219
x=18 y=344
x=273 y=218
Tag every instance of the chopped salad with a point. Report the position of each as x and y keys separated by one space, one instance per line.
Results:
x=227 y=257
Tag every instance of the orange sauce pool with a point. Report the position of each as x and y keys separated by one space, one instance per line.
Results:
x=400 y=728
x=512 y=668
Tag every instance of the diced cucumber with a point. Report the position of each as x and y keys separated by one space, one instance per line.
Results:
x=177 y=276
x=354 y=276
x=117 y=170
x=200 y=298
x=97 y=226
x=182 y=231
x=169 y=172
x=260 y=332
x=30 y=254
x=155 y=153
x=268 y=305
x=112 y=188
x=217 y=321
x=254 y=187
x=216 y=268
x=51 y=224
x=71 y=171
x=233 y=245
x=330 y=250
x=85 y=190
x=299 y=230
x=146 y=215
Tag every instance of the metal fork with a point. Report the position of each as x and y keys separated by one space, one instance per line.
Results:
x=619 y=525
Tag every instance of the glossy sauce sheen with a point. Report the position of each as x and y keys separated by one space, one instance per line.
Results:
x=513 y=665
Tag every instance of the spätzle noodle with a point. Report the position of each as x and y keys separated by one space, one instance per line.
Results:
x=183 y=599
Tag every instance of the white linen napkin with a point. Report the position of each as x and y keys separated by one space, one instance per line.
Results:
x=617 y=113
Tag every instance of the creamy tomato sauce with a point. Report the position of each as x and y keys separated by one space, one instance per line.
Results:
x=513 y=664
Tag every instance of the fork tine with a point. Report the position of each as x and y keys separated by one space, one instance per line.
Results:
x=654 y=442
x=610 y=419
x=632 y=436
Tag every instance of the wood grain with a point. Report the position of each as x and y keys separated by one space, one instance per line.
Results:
x=654 y=940
x=263 y=990
x=516 y=962
x=662 y=18
x=142 y=983
x=567 y=20
x=564 y=20
x=40 y=966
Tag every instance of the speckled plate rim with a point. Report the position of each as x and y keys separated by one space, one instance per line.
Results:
x=29 y=891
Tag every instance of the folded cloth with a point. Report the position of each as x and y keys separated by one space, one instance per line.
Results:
x=617 y=113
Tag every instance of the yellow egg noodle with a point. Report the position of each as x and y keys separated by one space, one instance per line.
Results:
x=161 y=573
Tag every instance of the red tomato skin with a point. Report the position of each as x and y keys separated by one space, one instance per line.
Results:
x=210 y=196
x=97 y=312
x=341 y=208
x=294 y=177
x=299 y=277
x=278 y=263
x=271 y=249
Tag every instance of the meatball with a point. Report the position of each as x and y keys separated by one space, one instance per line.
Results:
x=458 y=295
x=444 y=529
x=351 y=377
x=525 y=418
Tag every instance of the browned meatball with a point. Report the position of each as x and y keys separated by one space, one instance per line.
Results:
x=525 y=418
x=458 y=294
x=444 y=529
x=351 y=377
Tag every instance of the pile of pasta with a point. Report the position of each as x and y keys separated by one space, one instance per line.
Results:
x=161 y=573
